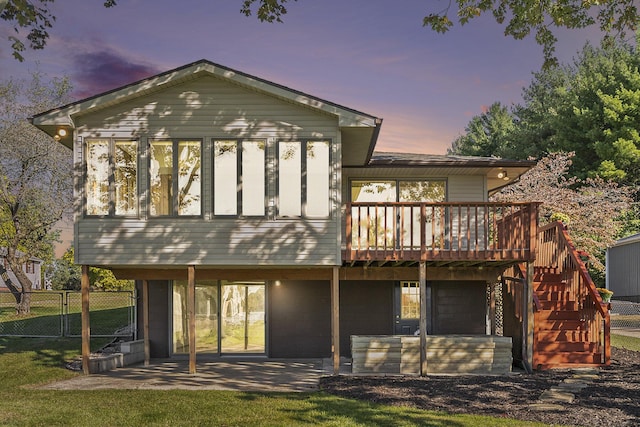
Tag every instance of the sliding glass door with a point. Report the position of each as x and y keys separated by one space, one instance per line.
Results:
x=242 y=321
x=230 y=317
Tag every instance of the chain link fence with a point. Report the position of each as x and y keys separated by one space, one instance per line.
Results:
x=625 y=315
x=58 y=314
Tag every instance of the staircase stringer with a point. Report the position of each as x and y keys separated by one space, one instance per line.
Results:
x=572 y=324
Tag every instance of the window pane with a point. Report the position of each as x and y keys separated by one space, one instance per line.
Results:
x=422 y=191
x=318 y=179
x=373 y=191
x=410 y=300
x=125 y=177
x=161 y=177
x=97 y=177
x=253 y=178
x=189 y=187
x=289 y=179
x=225 y=177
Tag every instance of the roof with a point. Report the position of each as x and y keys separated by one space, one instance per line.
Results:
x=3 y=254
x=635 y=238
x=361 y=129
x=499 y=172
x=436 y=160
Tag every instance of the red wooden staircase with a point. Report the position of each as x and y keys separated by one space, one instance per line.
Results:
x=571 y=324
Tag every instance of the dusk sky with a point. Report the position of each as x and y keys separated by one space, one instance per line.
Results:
x=370 y=55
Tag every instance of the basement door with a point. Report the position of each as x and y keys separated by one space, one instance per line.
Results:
x=230 y=318
x=406 y=308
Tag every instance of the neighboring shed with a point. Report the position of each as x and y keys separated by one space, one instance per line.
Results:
x=623 y=268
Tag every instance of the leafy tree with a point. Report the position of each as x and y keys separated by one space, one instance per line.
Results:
x=590 y=107
x=35 y=177
x=33 y=16
x=66 y=275
x=591 y=207
x=521 y=17
x=489 y=134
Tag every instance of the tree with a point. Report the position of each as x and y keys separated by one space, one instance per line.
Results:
x=522 y=17
x=35 y=177
x=489 y=134
x=65 y=274
x=34 y=16
x=590 y=107
x=591 y=208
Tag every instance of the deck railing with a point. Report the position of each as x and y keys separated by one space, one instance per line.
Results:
x=556 y=251
x=405 y=231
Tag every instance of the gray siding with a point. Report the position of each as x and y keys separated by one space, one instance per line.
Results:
x=467 y=188
x=623 y=271
x=208 y=108
x=170 y=241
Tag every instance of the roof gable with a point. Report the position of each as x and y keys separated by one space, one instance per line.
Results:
x=364 y=125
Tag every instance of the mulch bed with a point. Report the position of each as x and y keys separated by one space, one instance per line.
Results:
x=612 y=400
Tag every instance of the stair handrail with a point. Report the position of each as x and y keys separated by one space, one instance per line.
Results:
x=565 y=240
x=582 y=268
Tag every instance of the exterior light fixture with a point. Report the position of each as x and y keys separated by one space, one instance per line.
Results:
x=62 y=133
x=503 y=175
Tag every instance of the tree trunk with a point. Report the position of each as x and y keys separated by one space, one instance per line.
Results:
x=24 y=305
x=23 y=287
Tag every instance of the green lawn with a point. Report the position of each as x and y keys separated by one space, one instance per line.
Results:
x=26 y=362
x=110 y=311
x=630 y=343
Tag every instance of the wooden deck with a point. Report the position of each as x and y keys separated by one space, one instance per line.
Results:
x=440 y=233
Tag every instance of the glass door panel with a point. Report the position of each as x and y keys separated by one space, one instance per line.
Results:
x=242 y=327
x=206 y=318
x=180 y=338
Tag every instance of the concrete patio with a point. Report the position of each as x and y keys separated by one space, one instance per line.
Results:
x=239 y=375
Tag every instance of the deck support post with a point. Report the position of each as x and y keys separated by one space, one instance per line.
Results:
x=335 y=320
x=422 y=277
x=191 y=313
x=145 y=320
x=528 y=314
x=86 y=325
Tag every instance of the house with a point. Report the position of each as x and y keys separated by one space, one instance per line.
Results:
x=623 y=269
x=259 y=221
x=32 y=268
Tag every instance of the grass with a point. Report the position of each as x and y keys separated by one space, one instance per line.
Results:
x=623 y=341
x=28 y=362
x=110 y=311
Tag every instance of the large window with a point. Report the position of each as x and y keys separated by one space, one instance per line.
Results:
x=175 y=177
x=382 y=191
x=239 y=177
x=304 y=179
x=396 y=225
x=112 y=174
